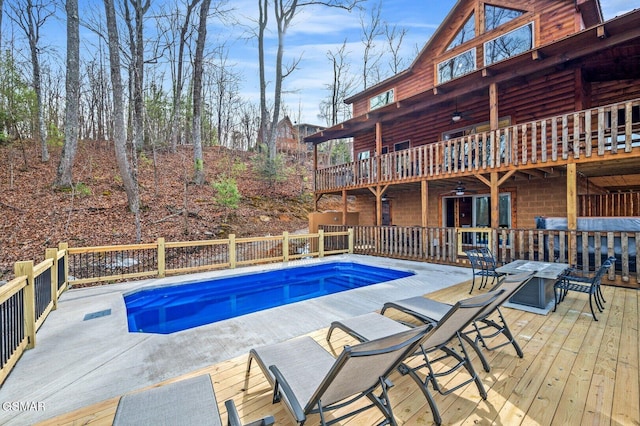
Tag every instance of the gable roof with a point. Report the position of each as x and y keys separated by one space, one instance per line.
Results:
x=590 y=10
x=578 y=48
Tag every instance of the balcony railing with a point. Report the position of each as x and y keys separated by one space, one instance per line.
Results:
x=596 y=132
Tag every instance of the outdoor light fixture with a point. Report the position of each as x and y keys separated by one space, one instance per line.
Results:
x=456 y=117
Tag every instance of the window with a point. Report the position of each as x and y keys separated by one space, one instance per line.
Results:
x=457 y=66
x=466 y=33
x=381 y=100
x=401 y=146
x=495 y=16
x=508 y=45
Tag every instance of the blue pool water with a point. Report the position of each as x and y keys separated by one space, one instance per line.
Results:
x=169 y=309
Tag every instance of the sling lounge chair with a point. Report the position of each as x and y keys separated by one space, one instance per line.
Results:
x=311 y=381
x=187 y=402
x=487 y=326
x=436 y=346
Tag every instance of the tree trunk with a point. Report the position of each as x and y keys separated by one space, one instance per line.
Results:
x=64 y=177
x=129 y=180
x=198 y=70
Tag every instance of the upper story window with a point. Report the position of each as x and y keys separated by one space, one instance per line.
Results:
x=495 y=16
x=381 y=100
x=508 y=45
x=457 y=66
x=466 y=33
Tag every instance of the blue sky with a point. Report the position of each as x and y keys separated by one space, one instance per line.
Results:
x=315 y=31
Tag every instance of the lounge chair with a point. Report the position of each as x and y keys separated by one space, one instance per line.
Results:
x=187 y=402
x=311 y=381
x=572 y=280
x=438 y=341
x=483 y=265
x=431 y=311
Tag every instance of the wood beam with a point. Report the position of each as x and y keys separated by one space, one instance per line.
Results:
x=506 y=176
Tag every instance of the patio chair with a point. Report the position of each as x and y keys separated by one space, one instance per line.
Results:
x=487 y=326
x=572 y=280
x=435 y=347
x=311 y=381
x=483 y=264
x=187 y=402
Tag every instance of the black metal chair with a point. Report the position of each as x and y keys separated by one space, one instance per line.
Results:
x=483 y=264
x=573 y=280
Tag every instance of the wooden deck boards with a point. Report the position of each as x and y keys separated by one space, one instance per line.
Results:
x=575 y=371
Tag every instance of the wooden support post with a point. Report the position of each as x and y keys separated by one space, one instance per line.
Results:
x=350 y=240
x=29 y=305
x=232 y=251
x=424 y=196
x=344 y=207
x=52 y=253
x=315 y=169
x=572 y=197
x=495 y=201
x=285 y=246
x=162 y=265
x=321 y=243
x=378 y=153
x=65 y=247
x=493 y=107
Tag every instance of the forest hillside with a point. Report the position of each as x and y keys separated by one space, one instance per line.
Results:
x=35 y=216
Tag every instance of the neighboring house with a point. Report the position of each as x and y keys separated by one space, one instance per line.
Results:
x=290 y=137
x=513 y=110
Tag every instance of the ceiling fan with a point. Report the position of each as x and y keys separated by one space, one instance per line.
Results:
x=460 y=190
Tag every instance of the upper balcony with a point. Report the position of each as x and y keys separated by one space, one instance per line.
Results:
x=606 y=137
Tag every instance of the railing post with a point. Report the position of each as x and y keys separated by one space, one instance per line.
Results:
x=65 y=247
x=350 y=239
x=285 y=246
x=52 y=253
x=320 y=243
x=162 y=265
x=29 y=306
x=232 y=251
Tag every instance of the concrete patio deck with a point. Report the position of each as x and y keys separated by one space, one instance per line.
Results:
x=78 y=362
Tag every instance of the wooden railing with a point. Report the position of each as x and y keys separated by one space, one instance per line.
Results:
x=111 y=263
x=25 y=303
x=616 y=204
x=581 y=135
x=583 y=249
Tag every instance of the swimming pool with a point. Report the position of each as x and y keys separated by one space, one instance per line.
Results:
x=168 y=309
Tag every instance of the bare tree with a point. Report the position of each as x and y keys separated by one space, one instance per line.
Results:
x=1 y=13
x=72 y=86
x=178 y=82
x=333 y=108
x=129 y=179
x=31 y=16
x=395 y=37
x=284 y=12
x=198 y=70
x=371 y=26
x=136 y=45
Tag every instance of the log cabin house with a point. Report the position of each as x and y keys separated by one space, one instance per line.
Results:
x=513 y=111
